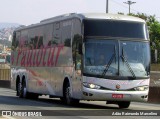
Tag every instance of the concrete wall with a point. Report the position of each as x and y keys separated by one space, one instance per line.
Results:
x=5 y=75
x=5 y=83
x=154 y=95
x=154 y=90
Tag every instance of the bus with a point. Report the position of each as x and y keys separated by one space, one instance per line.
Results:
x=91 y=56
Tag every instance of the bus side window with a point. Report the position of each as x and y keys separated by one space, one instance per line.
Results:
x=48 y=35
x=56 y=34
x=14 y=41
x=66 y=33
x=17 y=39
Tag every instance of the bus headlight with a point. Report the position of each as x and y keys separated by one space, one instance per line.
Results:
x=141 y=88
x=90 y=85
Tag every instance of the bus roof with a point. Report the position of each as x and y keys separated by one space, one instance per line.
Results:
x=94 y=16
x=82 y=16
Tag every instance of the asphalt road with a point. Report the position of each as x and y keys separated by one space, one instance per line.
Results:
x=85 y=110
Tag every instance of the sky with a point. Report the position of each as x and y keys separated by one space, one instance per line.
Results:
x=28 y=12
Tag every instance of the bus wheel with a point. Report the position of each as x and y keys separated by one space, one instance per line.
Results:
x=67 y=96
x=123 y=104
x=18 y=88
x=23 y=90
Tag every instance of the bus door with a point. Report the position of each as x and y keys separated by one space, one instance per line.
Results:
x=77 y=59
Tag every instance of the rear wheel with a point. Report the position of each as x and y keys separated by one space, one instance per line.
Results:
x=22 y=89
x=24 y=94
x=18 y=88
x=124 y=104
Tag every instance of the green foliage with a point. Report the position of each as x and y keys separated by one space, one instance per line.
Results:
x=140 y=15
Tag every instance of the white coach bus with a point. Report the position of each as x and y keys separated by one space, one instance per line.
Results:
x=99 y=57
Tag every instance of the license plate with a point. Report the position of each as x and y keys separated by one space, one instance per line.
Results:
x=117 y=95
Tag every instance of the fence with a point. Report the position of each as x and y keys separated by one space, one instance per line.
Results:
x=5 y=75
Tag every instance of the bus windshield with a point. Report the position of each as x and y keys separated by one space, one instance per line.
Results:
x=108 y=57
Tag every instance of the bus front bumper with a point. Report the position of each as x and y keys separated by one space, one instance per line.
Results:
x=109 y=95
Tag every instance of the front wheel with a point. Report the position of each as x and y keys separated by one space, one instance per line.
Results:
x=123 y=104
x=67 y=96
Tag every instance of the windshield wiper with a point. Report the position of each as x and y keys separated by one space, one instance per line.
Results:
x=129 y=67
x=110 y=62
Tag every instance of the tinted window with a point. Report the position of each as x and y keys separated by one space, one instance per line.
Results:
x=66 y=33
x=15 y=41
x=35 y=38
x=56 y=34
x=23 y=42
x=48 y=35
x=115 y=28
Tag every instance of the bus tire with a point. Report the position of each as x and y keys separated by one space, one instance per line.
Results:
x=67 y=96
x=123 y=104
x=18 y=88
x=22 y=90
x=25 y=94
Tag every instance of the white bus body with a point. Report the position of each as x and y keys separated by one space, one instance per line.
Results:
x=59 y=57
